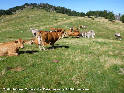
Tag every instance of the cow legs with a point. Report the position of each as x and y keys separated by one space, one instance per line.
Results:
x=85 y=35
x=12 y=54
x=52 y=44
x=40 y=43
x=92 y=36
x=41 y=47
x=88 y=36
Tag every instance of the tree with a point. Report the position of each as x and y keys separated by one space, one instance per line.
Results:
x=110 y=16
x=122 y=18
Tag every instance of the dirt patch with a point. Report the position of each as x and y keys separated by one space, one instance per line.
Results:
x=17 y=69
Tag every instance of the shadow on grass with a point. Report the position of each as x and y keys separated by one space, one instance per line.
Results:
x=58 y=46
x=73 y=37
x=28 y=52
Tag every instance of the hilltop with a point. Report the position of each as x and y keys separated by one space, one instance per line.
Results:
x=96 y=64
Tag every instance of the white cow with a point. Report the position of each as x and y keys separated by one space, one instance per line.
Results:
x=34 y=31
x=118 y=36
x=88 y=34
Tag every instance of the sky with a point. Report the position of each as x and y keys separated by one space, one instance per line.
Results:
x=115 y=6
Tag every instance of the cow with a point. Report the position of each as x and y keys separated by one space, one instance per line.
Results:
x=84 y=34
x=88 y=34
x=34 y=31
x=118 y=36
x=74 y=33
x=11 y=48
x=91 y=34
x=44 y=38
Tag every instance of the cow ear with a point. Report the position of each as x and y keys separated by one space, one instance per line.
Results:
x=16 y=41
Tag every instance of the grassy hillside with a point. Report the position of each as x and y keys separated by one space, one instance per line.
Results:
x=95 y=64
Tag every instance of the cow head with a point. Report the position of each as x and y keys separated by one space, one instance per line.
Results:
x=64 y=34
x=20 y=43
x=34 y=31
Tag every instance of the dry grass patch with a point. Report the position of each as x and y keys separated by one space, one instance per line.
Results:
x=109 y=61
x=77 y=41
x=106 y=40
x=78 y=78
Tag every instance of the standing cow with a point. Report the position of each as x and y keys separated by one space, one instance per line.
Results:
x=44 y=38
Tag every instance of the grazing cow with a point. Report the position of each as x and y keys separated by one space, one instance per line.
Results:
x=34 y=31
x=118 y=36
x=91 y=34
x=74 y=33
x=44 y=38
x=11 y=48
x=88 y=34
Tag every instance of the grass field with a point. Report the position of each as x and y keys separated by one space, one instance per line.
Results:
x=94 y=64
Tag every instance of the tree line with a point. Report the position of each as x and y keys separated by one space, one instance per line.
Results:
x=106 y=14
x=50 y=8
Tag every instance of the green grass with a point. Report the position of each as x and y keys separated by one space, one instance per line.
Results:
x=83 y=63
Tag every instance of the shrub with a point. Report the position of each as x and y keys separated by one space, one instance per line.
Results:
x=122 y=18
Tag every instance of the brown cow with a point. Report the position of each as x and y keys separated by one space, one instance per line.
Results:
x=74 y=33
x=11 y=48
x=44 y=38
x=56 y=29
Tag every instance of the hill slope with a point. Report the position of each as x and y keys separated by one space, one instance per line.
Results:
x=96 y=64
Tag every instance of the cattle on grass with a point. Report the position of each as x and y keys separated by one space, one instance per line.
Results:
x=11 y=48
x=88 y=34
x=34 y=31
x=44 y=38
x=118 y=36
x=74 y=33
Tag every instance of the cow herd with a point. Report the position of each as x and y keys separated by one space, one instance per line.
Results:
x=42 y=38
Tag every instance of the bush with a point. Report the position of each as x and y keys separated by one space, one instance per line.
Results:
x=122 y=18
x=110 y=16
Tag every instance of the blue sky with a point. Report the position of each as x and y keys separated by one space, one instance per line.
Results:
x=117 y=6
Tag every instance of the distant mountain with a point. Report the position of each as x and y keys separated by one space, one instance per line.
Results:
x=50 y=8
x=45 y=6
